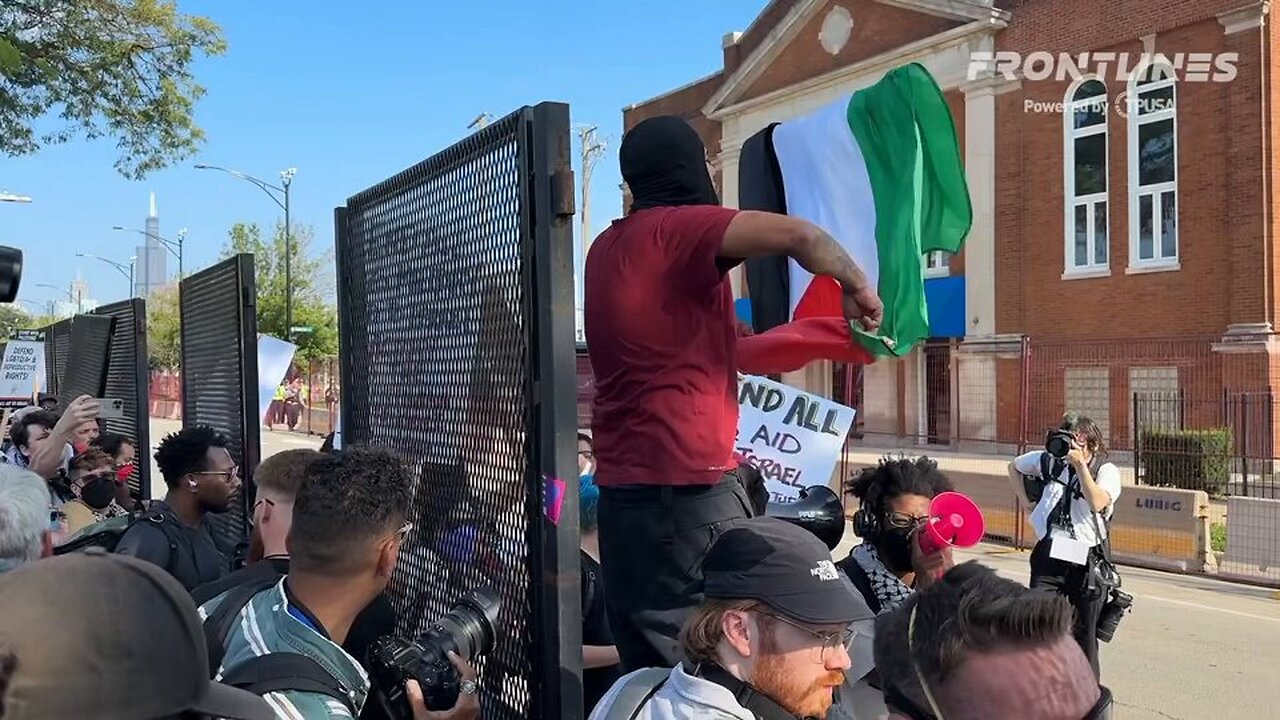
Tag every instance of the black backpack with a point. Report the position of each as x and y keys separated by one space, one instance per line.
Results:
x=106 y=534
x=274 y=671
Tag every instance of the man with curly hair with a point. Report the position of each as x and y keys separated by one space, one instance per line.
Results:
x=174 y=534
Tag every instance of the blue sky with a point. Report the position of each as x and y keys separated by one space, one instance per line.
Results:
x=350 y=93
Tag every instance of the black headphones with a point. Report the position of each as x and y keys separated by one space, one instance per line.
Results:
x=866 y=522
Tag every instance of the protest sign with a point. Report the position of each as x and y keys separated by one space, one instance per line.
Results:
x=792 y=437
x=22 y=369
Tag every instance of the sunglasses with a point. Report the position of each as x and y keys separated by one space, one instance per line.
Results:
x=1101 y=710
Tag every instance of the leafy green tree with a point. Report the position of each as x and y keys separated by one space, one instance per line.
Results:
x=310 y=275
x=103 y=68
x=164 y=329
x=13 y=317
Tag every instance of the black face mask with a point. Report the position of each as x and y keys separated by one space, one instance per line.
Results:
x=665 y=165
x=895 y=548
x=98 y=492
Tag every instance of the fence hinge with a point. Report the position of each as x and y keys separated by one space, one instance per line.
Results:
x=562 y=193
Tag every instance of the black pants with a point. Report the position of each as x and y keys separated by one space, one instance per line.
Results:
x=652 y=541
x=1068 y=579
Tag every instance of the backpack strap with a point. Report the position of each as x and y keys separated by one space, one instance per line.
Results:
x=166 y=528
x=276 y=672
x=219 y=623
x=859 y=578
x=635 y=692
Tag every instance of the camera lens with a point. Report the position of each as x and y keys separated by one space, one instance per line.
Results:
x=473 y=623
x=10 y=273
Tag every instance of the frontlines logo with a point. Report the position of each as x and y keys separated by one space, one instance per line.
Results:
x=1188 y=67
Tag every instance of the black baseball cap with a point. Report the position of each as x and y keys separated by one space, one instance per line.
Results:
x=784 y=567
x=108 y=637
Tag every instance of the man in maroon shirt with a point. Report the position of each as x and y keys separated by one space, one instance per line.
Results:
x=661 y=335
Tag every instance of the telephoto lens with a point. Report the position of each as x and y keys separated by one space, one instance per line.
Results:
x=470 y=629
x=1058 y=443
x=1112 y=613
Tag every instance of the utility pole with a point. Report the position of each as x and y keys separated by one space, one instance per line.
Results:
x=592 y=149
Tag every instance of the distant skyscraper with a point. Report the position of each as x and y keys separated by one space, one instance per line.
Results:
x=153 y=259
x=79 y=302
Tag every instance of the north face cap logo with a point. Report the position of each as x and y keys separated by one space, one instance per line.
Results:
x=825 y=570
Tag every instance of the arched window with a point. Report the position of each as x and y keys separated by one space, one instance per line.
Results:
x=1153 y=168
x=1086 y=177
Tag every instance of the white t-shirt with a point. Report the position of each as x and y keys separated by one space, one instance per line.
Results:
x=1107 y=477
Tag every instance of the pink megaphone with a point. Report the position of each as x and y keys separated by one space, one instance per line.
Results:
x=954 y=521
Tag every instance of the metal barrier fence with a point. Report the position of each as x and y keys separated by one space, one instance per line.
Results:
x=86 y=368
x=220 y=374
x=127 y=380
x=456 y=301
x=57 y=349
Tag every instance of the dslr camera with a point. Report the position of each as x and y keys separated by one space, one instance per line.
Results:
x=470 y=629
x=1058 y=442
x=1112 y=613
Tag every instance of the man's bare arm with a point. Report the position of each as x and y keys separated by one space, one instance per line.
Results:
x=755 y=234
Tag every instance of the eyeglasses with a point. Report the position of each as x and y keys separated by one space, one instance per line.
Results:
x=830 y=640
x=229 y=473
x=1101 y=710
x=904 y=520
x=403 y=533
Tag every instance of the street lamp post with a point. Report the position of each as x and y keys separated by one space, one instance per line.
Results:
x=173 y=246
x=71 y=296
x=275 y=193
x=126 y=270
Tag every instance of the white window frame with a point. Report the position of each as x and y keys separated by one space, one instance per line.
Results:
x=937 y=264
x=1092 y=268
x=1156 y=263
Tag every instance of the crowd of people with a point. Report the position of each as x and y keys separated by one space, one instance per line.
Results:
x=695 y=604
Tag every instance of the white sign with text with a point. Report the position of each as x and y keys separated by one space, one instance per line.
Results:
x=792 y=437
x=22 y=370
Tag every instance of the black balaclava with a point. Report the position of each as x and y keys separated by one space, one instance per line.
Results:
x=665 y=164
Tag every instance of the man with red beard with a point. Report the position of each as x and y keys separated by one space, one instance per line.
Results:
x=770 y=641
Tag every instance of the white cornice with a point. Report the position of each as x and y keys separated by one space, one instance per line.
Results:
x=1249 y=17
x=892 y=58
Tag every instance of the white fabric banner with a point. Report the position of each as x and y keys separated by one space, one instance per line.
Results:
x=274 y=358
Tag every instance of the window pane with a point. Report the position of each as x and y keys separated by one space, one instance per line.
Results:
x=1168 y=224
x=1091 y=164
x=1090 y=88
x=1155 y=73
x=1100 y=233
x=1093 y=112
x=1154 y=101
x=1155 y=152
x=1082 y=236
x=1146 y=242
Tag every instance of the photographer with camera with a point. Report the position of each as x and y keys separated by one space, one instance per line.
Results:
x=283 y=641
x=1074 y=491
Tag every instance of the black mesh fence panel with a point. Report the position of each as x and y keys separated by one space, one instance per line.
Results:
x=85 y=371
x=128 y=380
x=220 y=373
x=57 y=347
x=450 y=358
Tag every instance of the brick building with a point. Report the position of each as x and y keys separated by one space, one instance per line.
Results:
x=1121 y=259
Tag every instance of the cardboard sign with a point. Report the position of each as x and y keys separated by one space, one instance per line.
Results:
x=22 y=369
x=792 y=437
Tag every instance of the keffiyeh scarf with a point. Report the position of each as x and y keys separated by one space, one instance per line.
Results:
x=889 y=590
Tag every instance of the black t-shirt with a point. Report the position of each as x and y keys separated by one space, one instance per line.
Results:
x=188 y=554
x=595 y=631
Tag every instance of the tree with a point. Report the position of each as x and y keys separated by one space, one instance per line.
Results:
x=13 y=318
x=103 y=68
x=164 y=329
x=310 y=276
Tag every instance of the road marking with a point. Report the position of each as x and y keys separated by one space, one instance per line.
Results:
x=1199 y=606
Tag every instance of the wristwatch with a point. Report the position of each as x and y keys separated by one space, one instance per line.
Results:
x=469 y=687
